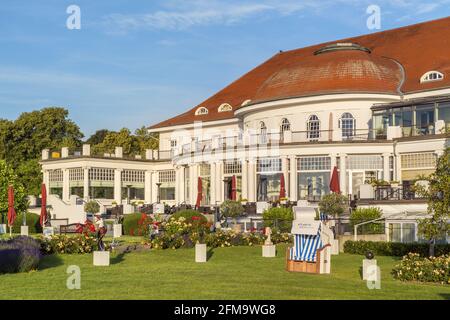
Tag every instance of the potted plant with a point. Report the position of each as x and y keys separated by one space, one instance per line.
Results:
x=395 y=184
x=244 y=201
x=283 y=201
x=232 y=209
x=114 y=204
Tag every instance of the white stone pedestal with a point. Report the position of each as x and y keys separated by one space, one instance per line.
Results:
x=335 y=247
x=200 y=253
x=48 y=232
x=101 y=258
x=366 y=265
x=24 y=230
x=269 y=251
x=3 y=229
x=117 y=230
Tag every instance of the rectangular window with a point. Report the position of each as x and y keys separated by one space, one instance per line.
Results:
x=167 y=176
x=101 y=174
x=426 y=160
x=365 y=162
x=232 y=167
x=133 y=176
x=314 y=163
x=76 y=174
x=269 y=165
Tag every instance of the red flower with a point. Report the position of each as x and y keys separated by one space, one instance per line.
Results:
x=195 y=218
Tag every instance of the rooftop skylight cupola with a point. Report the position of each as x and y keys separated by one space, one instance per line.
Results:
x=431 y=76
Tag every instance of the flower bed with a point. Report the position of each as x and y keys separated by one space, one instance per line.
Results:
x=20 y=254
x=415 y=268
x=62 y=244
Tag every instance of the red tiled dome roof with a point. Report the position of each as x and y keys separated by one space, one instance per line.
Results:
x=333 y=72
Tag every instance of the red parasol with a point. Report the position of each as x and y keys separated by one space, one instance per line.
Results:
x=334 y=183
x=11 y=210
x=233 y=188
x=199 y=192
x=43 y=219
x=282 y=187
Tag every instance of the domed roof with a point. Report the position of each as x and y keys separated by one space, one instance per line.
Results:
x=340 y=68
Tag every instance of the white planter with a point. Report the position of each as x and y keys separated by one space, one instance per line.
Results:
x=117 y=230
x=283 y=202
x=366 y=265
x=24 y=230
x=200 y=253
x=101 y=258
x=3 y=229
x=335 y=247
x=269 y=251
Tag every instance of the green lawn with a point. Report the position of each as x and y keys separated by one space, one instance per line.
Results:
x=231 y=273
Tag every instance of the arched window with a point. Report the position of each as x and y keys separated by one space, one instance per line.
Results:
x=201 y=111
x=348 y=125
x=313 y=126
x=225 y=107
x=431 y=76
x=262 y=133
x=285 y=126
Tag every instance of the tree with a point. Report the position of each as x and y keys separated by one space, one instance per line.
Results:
x=123 y=139
x=9 y=178
x=92 y=207
x=97 y=137
x=231 y=209
x=438 y=195
x=22 y=140
x=146 y=140
x=278 y=218
x=361 y=215
x=333 y=204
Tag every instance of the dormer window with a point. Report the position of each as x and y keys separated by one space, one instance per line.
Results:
x=201 y=111
x=431 y=76
x=225 y=107
x=246 y=102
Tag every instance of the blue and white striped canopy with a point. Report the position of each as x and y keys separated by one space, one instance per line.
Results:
x=305 y=247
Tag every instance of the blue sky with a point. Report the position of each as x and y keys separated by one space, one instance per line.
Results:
x=138 y=62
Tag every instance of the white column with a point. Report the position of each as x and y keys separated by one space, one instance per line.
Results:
x=386 y=168
x=214 y=191
x=194 y=181
x=154 y=187
x=86 y=184
x=244 y=179
x=148 y=187
x=182 y=185
x=252 y=181
x=293 y=181
x=66 y=185
x=287 y=179
x=118 y=186
x=220 y=197
x=398 y=168
x=343 y=173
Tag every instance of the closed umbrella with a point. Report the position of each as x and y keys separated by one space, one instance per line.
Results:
x=43 y=219
x=334 y=183
x=233 y=188
x=199 y=193
x=282 y=187
x=11 y=210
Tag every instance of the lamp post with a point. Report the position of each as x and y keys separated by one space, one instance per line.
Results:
x=158 y=199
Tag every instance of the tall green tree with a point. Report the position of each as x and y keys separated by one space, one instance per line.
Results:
x=146 y=140
x=97 y=137
x=438 y=195
x=22 y=140
x=9 y=178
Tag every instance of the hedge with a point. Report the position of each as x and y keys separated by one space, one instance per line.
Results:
x=20 y=254
x=396 y=249
x=33 y=223
x=188 y=215
x=131 y=224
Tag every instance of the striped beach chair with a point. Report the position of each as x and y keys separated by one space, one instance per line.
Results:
x=305 y=247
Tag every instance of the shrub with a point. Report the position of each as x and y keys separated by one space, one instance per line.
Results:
x=131 y=224
x=190 y=216
x=92 y=207
x=279 y=219
x=232 y=209
x=63 y=244
x=20 y=254
x=367 y=214
x=396 y=249
x=33 y=223
x=333 y=204
x=413 y=267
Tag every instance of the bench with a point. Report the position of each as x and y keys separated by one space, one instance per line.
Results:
x=69 y=229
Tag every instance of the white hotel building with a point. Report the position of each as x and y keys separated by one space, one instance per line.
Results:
x=375 y=106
